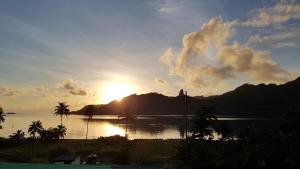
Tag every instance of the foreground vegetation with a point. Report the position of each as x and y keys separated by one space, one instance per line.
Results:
x=111 y=150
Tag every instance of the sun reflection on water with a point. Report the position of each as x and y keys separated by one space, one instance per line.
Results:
x=114 y=130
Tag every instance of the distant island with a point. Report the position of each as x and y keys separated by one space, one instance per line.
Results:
x=11 y=113
x=245 y=101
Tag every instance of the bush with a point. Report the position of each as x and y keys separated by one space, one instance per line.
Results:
x=58 y=151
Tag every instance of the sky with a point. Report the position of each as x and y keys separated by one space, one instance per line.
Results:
x=91 y=52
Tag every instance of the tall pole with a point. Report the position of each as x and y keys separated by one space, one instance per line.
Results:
x=186 y=122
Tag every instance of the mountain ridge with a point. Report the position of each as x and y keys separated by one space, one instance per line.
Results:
x=262 y=100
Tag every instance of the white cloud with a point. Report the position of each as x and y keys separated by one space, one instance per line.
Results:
x=277 y=39
x=285 y=45
x=280 y=13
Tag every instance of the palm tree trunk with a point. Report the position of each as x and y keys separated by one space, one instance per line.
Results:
x=60 y=119
x=87 y=129
x=126 y=135
x=32 y=146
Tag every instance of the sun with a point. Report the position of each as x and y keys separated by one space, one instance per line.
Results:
x=116 y=91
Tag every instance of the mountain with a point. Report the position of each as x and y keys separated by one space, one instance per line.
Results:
x=247 y=100
x=147 y=104
x=258 y=100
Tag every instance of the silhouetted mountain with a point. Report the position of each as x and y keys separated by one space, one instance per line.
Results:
x=258 y=100
x=146 y=104
x=247 y=100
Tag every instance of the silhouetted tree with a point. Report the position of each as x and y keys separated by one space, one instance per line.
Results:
x=203 y=122
x=62 y=109
x=35 y=128
x=53 y=134
x=47 y=134
x=2 y=117
x=61 y=131
x=89 y=112
x=18 y=136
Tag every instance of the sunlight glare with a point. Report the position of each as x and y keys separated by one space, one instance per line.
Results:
x=113 y=130
x=116 y=91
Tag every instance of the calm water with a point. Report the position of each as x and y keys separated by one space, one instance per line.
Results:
x=146 y=127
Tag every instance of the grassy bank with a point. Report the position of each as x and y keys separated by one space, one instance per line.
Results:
x=109 y=151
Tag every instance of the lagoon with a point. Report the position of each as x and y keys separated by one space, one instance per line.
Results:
x=145 y=127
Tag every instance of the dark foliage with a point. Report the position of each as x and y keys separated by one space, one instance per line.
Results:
x=255 y=147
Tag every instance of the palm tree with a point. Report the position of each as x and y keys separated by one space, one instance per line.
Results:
x=47 y=134
x=2 y=117
x=89 y=111
x=35 y=128
x=61 y=131
x=18 y=136
x=62 y=109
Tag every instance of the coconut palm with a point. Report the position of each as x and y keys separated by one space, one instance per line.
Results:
x=2 y=117
x=61 y=131
x=18 y=136
x=47 y=134
x=89 y=112
x=35 y=128
x=62 y=109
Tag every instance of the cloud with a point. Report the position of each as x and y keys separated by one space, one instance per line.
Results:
x=273 y=39
x=46 y=91
x=258 y=65
x=285 y=45
x=195 y=44
x=167 y=57
x=280 y=13
x=160 y=81
x=80 y=92
x=71 y=86
x=231 y=60
x=6 y=91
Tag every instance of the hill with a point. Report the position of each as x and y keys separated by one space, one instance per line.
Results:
x=259 y=100
x=247 y=100
x=146 y=104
